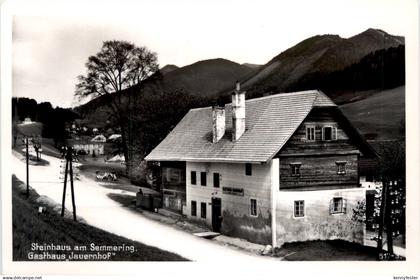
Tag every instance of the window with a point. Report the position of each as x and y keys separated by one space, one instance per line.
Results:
x=203 y=178
x=253 y=209
x=329 y=133
x=295 y=167
x=193 y=178
x=203 y=210
x=248 y=169
x=216 y=180
x=341 y=167
x=299 y=208
x=193 y=208
x=310 y=133
x=337 y=205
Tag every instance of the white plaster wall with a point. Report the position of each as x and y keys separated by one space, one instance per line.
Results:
x=231 y=175
x=318 y=223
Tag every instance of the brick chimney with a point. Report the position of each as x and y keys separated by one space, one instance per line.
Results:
x=238 y=112
x=219 y=122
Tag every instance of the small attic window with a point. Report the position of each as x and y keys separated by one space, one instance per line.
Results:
x=310 y=132
x=295 y=169
x=341 y=167
x=329 y=133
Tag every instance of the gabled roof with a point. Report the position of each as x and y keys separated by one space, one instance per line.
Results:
x=270 y=122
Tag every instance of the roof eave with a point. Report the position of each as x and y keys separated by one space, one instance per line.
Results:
x=206 y=160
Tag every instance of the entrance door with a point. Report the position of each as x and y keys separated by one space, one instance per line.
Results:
x=216 y=213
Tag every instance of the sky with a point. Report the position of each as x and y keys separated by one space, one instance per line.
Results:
x=52 y=40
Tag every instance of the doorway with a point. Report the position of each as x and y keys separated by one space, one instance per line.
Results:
x=216 y=212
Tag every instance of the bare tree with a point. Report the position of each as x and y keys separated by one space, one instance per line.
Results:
x=117 y=66
x=37 y=144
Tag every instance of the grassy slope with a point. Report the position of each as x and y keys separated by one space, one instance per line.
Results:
x=381 y=113
x=49 y=227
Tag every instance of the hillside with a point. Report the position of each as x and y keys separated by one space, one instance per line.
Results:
x=202 y=79
x=381 y=116
x=205 y=78
x=348 y=70
x=320 y=55
x=168 y=68
x=251 y=65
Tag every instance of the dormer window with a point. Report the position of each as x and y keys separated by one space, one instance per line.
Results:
x=329 y=133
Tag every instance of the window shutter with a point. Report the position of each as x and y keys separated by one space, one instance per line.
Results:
x=331 y=206
x=344 y=206
x=334 y=133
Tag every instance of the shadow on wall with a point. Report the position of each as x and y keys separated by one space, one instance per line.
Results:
x=254 y=229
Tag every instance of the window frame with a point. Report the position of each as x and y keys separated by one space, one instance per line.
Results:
x=253 y=209
x=203 y=205
x=248 y=169
x=323 y=133
x=292 y=166
x=193 y=207
x=333 y=133
x=193 y=182
x=299 y=205
x=310 y=126
x=203 y=179
x=341 y=206
x=216 y=178
x=340 y=164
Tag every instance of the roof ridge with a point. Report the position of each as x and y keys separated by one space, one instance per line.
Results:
x=283 y=94
x=319 y=95
x=267 y=97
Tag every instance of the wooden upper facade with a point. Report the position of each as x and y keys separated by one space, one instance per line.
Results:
x=320 y=154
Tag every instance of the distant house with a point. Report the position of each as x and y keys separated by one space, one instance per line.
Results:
x=275 y=169
x=87 y=146
x=114 y=137
x=99 y=139
x=28 y=128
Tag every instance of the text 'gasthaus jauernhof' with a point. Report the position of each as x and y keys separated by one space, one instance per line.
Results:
x=91 y=252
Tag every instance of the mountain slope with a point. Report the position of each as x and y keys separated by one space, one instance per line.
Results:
x=322 y=54
x=168 y=68
x=289 y=64
x=205 y=78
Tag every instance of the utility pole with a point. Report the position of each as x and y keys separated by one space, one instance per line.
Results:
x=68 y=171
x=71 y=185
x=27 y=166
x=64 y=188
x=382 y=217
